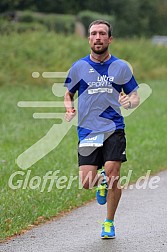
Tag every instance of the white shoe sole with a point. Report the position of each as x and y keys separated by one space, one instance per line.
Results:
x=107 y=237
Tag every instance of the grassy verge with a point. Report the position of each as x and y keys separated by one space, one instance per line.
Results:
x=146 y=137
x=23 y=206
x=51 y=52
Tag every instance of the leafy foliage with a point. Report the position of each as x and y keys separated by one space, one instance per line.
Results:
x=86 y=17
x=28 y=20
x=131 y=17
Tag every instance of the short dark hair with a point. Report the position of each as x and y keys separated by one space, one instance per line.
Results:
x=100 y=21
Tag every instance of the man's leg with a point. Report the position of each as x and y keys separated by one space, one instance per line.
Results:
x=88 y=175
x=112 y=169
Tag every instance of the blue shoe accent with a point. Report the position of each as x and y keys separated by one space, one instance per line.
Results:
x=101 y=194
x=108 y=230
x=101 y=191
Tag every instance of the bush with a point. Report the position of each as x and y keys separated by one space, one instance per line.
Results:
x=54 y=22
x=7 y=27
x=26 y=20
x=86 y=17
x=25 y=16
x=58 y=23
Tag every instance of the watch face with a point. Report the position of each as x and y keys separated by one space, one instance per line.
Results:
x=130 y=105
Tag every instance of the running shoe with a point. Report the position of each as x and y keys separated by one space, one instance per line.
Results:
x=101 y=191
x=108 y=230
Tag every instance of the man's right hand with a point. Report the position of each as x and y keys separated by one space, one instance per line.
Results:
x=69 y=115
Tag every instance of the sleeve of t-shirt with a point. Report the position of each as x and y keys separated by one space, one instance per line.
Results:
x=72 y=81
x=129 y=83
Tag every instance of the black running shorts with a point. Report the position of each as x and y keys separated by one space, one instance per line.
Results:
x=113 y=149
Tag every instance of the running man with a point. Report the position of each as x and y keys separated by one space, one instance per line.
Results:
x=104 y=83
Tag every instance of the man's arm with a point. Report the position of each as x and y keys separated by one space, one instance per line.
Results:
x=129 y=101
x=69 y=105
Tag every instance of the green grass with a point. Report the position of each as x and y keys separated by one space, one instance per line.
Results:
x=51 y=52
x=146 y=133
x=19 y=208
x=145 y=128
x=22 y=207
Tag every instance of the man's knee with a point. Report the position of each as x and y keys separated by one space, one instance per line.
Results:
x=112 y=169
x=88 y=177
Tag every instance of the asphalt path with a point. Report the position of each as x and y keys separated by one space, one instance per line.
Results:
x=141 y=225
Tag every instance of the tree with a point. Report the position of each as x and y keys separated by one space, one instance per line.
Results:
x=132 y=17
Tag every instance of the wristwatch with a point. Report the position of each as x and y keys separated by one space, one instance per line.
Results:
x=130 y=105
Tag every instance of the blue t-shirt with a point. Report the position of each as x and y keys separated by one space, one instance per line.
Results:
x=98 y=86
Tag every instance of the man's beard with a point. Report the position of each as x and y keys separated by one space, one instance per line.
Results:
x=100 y=51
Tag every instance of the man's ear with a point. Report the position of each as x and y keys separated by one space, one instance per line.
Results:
x=110 y=39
